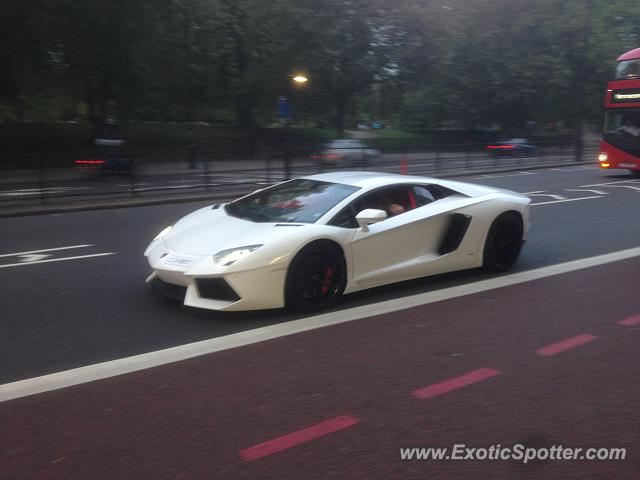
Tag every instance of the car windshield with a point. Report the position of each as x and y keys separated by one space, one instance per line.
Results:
x=622 y=129
x=301 y=200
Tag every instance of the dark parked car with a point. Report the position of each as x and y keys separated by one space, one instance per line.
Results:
x=346 y=153
x=514 y=147
x=110 y=155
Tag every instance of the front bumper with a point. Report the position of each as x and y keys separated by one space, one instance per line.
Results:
x=219 y=288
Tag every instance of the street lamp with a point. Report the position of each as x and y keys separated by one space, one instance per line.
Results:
x=299 y=80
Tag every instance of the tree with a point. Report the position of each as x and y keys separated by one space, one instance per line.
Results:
x=23 y=49
x=349 y=49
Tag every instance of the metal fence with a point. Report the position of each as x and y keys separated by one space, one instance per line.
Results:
x=41 y=179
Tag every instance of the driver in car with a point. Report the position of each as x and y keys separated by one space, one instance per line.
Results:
x=389 y=205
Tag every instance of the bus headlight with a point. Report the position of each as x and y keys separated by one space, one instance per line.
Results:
x=603 y=157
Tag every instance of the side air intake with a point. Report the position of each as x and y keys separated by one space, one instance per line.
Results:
x=455 y=233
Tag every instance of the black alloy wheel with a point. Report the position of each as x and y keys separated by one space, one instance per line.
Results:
x=316 y=278
x=504 y=242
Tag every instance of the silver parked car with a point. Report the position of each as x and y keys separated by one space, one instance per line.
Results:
x=346 y=153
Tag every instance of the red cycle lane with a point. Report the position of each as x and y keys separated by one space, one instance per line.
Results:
x=548 y=362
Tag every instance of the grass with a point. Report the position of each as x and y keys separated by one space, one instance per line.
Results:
x=314 y=133
x=395 y=134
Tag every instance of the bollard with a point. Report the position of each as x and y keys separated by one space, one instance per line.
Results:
x=404 y=164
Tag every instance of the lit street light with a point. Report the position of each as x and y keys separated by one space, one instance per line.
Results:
x=299 y=80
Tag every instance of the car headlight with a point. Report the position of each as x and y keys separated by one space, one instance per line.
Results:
x=163 y=232
x=227 y=257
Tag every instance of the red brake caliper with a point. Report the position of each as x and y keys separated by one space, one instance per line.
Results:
x=326 y=282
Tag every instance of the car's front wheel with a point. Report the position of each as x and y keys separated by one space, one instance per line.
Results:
x=504 y=242
x=316 y=278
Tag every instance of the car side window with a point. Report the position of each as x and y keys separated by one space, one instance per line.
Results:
x=345 y=219
x=438 y=191
x=394 y=200
x=422 y=196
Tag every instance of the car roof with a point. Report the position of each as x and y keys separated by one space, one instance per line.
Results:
x=369 y=179
x=344 y=142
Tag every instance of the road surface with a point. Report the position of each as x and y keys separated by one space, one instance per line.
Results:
x=549 y=360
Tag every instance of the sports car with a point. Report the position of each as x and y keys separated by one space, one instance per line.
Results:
x=304 y=242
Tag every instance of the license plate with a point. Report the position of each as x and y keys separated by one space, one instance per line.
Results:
x=178 y=260
x=627 y=165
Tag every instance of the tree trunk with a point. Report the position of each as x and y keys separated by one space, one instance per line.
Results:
x=91 y=105
x=341 y=108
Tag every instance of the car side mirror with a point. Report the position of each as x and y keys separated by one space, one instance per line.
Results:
x=370 y=216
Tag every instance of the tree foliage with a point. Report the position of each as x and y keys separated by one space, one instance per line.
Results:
x=414 y=63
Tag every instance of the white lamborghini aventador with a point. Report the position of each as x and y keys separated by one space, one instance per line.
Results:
x=304 y=242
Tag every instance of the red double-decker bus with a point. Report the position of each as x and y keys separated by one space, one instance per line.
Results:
x=620 y=145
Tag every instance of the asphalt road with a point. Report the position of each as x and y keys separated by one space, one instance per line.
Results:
x=64 y=314
x=337 y=402
x=543 y=365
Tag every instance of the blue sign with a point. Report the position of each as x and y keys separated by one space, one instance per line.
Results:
x=283 y=107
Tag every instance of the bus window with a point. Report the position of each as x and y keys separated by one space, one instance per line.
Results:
x=628 y=69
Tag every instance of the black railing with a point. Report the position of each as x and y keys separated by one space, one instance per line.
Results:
x=39 y=178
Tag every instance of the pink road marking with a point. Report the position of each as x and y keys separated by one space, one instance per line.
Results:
x=301 y=436
x=628 y=322
x=455 y=383
x=563 y=345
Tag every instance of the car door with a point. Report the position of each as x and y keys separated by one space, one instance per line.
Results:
x=401 y=246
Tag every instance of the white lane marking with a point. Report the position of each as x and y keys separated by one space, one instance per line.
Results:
x=63 y=259
x=609 y=183
x=637 y=189
x=144 y=361
x=557 y=197
x=565 y=200
x=37 y=191
x=34 y=257
x=517 y=174
x=575 y=169
x=598 y=192
x=175 y=187
x=419 y=164
x=535 y=191
x=45 y=250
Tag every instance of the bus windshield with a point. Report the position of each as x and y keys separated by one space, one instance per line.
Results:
x=622 y=129
x=628 y=69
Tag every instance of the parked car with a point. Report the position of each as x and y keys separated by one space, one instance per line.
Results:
x=514 y=147
x=346 y=153
x=110 y=155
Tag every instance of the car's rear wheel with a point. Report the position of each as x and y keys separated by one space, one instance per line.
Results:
x=504 y=242
x=316 y=278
